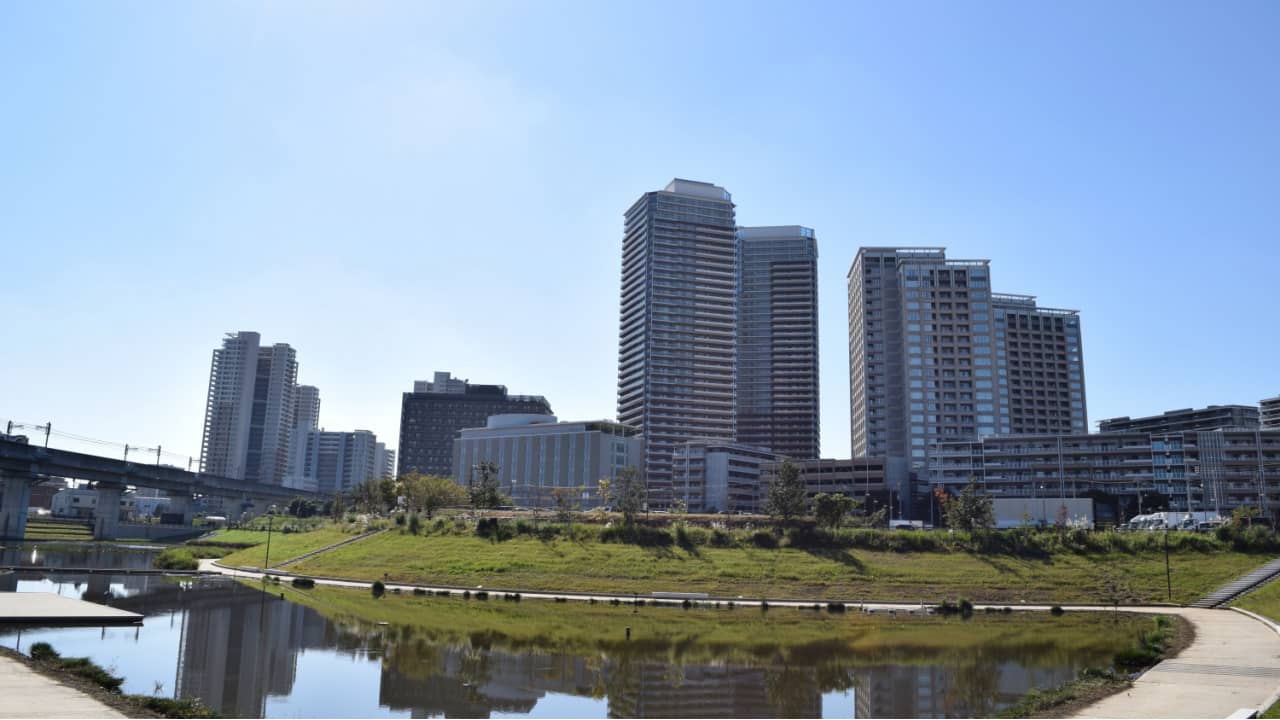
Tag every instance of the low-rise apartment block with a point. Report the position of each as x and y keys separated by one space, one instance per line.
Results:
x=537 y=455
x=1213 y=417
x=1195 y=470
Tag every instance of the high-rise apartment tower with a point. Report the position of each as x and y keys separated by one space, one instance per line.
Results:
x=936 y=356
x=249 y=413
x=676 y=341
x=777 y=364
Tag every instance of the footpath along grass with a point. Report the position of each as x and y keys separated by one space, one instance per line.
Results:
x=284 y=546
x=846 y=574
x=1266 y=602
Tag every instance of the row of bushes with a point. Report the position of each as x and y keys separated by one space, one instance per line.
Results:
x=1022 y=542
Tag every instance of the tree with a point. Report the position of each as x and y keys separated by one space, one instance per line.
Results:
x=970 y=510
x=302 y=508
x=629 y=494
x=429 y=493
x=604 y=491
x=786 y=497
x=386 y=493
x=563 y=498
x=337 y=506
x=366 y=496
x=830 y=510
x=483 y=490
x=1243 y=516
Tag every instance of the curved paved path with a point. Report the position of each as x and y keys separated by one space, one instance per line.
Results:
x=1233 y=663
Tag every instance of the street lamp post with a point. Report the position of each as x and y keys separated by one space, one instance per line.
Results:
x=1168 y=574
x=266 y=560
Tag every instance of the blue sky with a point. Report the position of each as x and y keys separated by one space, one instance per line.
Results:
x=406 y=187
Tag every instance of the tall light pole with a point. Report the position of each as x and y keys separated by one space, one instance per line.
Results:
x=266 y=560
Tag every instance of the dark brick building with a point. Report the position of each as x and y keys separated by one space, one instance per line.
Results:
x=432 y=415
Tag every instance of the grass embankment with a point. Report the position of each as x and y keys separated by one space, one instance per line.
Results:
x=413 y=627
x=284 y=546
x=1264 y=601
x=714 y=633
x=52 y=530
x=854 y=565
x=95 y=680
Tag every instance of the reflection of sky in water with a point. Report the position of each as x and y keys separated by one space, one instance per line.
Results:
x=246 y=653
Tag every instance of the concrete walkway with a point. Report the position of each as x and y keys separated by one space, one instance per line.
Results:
x=25 y=693
x=1233 y=664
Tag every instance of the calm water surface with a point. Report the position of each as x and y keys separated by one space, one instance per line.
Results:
x=251 y=654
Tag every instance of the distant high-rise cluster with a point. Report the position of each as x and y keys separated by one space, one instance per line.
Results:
x=718 y=386
x=261 y=426
x=718 y=330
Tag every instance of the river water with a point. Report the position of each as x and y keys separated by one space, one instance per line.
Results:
x=249 y=653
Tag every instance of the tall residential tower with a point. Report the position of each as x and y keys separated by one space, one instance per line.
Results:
x=936 y=356
x=248 y=424
x=777 y=382
x=676 y=342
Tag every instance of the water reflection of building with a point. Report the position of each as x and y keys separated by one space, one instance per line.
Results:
x=238 y=646
x=651 y=689
x=934 y=691
x=461 y=681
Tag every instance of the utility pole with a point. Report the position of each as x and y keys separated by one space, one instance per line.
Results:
x=48 y=428
x=158 y=455
x=1168 y=574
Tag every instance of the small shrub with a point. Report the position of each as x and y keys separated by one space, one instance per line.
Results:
x=415 y=524
x=560 y=599
x=764 y=606
x=304 y=582
x=43 y=651
x=615 y=601
x=835 y=607
x=378 y=589
x=176 y=559
x=1056 y=610
x=400 y=519
x=686 y=604
x=419 y=591
x=442 y=593
x=466 y=594
x=482 y=594
x=642 y=535
x=721 y=539
x=764 y=539
x=731 y=605
x=170 y=708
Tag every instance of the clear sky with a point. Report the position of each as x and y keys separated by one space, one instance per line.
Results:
x=400 y=188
